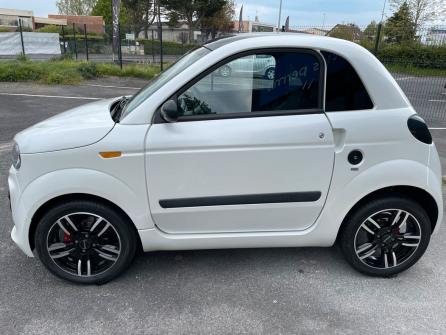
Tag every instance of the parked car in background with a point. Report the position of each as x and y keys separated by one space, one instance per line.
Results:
x=326 y=150
x=262 y=66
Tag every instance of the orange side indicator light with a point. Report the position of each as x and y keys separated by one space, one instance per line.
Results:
x=110 y=154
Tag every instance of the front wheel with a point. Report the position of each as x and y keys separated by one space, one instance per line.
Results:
x=225 y=71
x=85 y=242
x=385 y=236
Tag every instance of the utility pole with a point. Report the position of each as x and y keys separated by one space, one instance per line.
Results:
x=280 y=14
x=21 y=37
x=384 y=9
x=378 y=30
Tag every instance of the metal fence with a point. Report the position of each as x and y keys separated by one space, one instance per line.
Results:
x=146 y=47
x=415 y=56
x=421 y=47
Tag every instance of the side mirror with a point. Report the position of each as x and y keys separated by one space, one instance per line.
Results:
x=169 y=111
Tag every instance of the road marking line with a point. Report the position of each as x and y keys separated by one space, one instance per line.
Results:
x=404 y=78
x=435 y=100
x=49 y=96
x=5 y=147
x=111 y=86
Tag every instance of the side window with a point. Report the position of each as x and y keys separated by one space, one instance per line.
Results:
x=344 y=89
x=264 y=82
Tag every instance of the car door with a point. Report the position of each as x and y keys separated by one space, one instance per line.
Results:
x=246 y=154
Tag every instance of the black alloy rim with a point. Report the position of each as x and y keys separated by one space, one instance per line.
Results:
x=83 y=244
x=387 y=238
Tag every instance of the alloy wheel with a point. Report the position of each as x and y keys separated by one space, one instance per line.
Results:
x=387 y=238
x=225 y=71
x=270 y=74
x=83 y=244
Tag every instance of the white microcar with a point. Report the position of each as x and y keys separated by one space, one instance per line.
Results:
x=323 y=147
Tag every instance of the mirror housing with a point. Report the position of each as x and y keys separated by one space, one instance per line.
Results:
x=169 y=111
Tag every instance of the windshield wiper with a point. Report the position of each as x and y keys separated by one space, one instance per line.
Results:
x=119 y=107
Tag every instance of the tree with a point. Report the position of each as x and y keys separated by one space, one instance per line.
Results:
x=400 y=28
x=370 y=30
x=142 y=14
x=75 y=7
x=422 y=11
x=103 y=8
x=192 y=11
x=220 y=21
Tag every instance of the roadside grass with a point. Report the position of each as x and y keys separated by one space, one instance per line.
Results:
x=69 y=72
x=415 y=71
x=66 y=71
x=133 y=70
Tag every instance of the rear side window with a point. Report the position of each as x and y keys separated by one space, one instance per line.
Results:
x=345 y=90
x=263 y=83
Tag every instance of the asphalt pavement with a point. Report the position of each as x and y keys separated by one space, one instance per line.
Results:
x=254 y=291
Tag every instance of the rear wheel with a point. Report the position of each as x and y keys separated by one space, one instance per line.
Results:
x=85 y=242
x=270 y=73
x=386 y=236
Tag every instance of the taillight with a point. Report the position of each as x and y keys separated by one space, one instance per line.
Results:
x=419 y=129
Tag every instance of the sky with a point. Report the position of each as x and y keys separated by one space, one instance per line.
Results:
x=301 y=12
x=311 y=12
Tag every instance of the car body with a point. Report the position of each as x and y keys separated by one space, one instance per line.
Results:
x=257 y=65
x=196 y=162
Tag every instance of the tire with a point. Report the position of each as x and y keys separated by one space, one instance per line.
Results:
x=225 y=71
x=394 y=247
x=85 y=242
x=270 y=73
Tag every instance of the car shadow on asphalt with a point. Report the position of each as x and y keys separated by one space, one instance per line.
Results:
x=234 y=264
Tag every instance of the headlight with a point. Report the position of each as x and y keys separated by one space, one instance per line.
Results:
x=16 y=159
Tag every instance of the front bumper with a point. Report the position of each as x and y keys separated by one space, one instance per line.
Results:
x=19 y=232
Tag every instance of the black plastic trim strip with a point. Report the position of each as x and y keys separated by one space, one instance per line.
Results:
x=247 y=199
x=247 y=115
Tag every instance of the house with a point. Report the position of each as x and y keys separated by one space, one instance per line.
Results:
x=179 y=33
x=435 y=36
x=253 y=26
x=40 y=22
x=312 y=31
x=95 y=24
x=9 y=19
x=349 y=32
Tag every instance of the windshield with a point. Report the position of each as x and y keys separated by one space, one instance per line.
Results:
x=188 y=59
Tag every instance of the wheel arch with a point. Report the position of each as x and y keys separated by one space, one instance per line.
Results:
x=422 y=197
x=72 y=197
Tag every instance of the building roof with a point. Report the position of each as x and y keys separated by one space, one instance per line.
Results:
x=313 y=31
x=45 y=20
x=16 y=12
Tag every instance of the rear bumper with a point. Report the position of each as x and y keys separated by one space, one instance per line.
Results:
x=435 y=184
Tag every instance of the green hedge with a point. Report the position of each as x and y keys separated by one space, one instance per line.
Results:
x=69 y=72
x=169 y=48
x=414 y=55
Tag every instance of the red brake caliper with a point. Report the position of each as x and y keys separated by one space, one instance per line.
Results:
x=66 y=237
